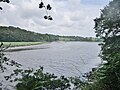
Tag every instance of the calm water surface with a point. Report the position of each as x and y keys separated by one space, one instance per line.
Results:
x=61 y=58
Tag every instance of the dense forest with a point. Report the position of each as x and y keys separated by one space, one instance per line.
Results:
x=15 y=34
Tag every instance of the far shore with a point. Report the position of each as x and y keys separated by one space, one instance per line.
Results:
x=18 y=44
x=21 y=46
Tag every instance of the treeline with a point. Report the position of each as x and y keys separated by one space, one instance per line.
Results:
x=15 y=34
x=78 y=38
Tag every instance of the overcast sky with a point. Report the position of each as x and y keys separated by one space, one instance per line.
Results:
x=71 y=17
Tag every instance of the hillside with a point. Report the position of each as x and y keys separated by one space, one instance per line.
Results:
x=15 y=34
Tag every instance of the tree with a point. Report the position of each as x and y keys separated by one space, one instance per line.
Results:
x=107 y=26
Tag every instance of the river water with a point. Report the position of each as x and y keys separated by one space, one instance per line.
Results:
x=60 y=58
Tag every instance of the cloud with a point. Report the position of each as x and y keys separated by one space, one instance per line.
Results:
x=71 y=17
x=94 y=2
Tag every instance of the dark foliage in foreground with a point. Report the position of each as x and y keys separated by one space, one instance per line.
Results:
x=5 y=63
x=107 y=26
x=37 y=80
x=47 y=8
x=7 y=1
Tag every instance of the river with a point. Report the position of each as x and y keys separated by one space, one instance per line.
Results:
x=60 y=58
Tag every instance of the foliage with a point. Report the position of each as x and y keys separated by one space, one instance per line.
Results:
x=107 y=26
x=31 y=79
x=37 y=80
x=41 y=5
x=5 y=63
x=15 y=34
x=12 y=34
x=7 y=1
x=48 y=7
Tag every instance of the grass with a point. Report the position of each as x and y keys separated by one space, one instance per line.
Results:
x=16 y=44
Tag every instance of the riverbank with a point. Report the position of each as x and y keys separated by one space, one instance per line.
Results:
x=20 y=46
x=17 y=44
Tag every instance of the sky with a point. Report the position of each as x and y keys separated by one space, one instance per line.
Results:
x=71 y=17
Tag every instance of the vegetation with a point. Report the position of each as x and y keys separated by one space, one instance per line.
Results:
x=37 y=80
x=48 y=7
x=15 y=34
x=7 y=1
x=78 y=38
x=12 y=34
x=107 y=26
x=4 y=62
x=16 y=44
